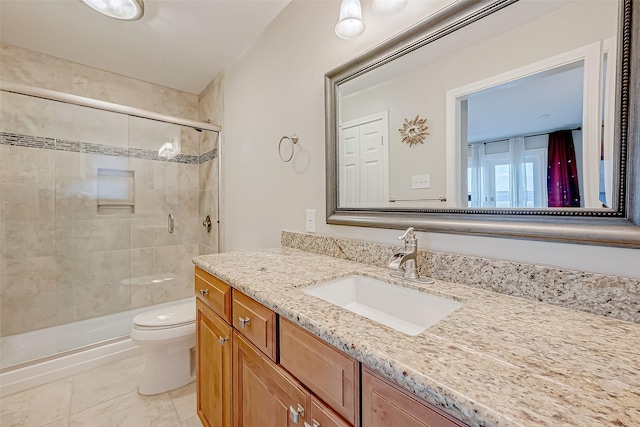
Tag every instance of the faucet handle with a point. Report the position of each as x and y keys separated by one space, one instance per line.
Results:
x=408 y=235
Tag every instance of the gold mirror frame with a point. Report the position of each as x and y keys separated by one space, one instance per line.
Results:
x=618 y=227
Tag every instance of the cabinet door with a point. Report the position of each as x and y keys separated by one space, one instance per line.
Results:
x=386 y=405
x=329 y=373
x=323 y=416
x=213 y=377
x=263 y=394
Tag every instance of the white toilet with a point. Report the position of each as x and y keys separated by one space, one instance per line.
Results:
x=169 y=335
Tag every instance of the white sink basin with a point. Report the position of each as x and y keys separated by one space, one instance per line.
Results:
x=405 y=310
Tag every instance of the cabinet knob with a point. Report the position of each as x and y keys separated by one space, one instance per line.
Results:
x=244 y=321
x=295 y=414
x=315 y=424
x=204 y=292
x=223 y=340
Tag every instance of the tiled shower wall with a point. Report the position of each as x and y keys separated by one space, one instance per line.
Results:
x=48 y=72
x=210 y=108
x=61 y=259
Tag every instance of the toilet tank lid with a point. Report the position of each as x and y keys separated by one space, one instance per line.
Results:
x=166 y=316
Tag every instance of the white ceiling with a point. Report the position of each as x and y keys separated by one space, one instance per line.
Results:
x=180 y=44
x=538 y=103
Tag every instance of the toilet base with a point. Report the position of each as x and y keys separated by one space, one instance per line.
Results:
x=167 y=370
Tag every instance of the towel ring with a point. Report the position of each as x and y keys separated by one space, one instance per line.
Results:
x=293 y=139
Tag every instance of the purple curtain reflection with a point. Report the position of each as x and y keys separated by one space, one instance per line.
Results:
x=562 y=174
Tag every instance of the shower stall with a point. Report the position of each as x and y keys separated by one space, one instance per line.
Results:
x=101 y=210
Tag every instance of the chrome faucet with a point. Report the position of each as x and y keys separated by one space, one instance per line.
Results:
x=405 y=260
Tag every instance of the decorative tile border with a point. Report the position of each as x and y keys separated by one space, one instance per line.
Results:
x=604 y=295
x=29 y=141
x=209 y=155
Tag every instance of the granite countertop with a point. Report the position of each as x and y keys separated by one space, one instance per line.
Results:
x=497 y=361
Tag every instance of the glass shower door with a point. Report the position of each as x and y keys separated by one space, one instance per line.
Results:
x=86 y=196
x=94 y=202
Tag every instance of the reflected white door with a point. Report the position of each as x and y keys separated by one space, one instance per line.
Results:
x=363 y=163
x=349 y=164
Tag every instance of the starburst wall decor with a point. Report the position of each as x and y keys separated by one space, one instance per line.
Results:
x=414 y=131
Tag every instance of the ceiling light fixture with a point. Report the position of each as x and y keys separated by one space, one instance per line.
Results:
x=126 y=10
x=350 y=24
x=388 y=6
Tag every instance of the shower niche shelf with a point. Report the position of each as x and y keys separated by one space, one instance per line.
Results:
x=116 y=193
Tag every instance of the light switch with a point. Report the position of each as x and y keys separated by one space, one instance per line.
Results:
x=420 y=181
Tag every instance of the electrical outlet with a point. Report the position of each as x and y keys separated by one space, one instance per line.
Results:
x=420 y=181
x=310 y=223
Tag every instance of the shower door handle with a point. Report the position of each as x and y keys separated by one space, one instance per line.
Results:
x=207 y=224
x=170 y=223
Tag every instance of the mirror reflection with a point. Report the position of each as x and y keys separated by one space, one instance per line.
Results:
x=512 y=111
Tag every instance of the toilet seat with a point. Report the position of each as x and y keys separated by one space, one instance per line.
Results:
x=159 y=328
x=166 y=317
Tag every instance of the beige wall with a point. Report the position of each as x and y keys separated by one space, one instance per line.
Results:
x=276 y=89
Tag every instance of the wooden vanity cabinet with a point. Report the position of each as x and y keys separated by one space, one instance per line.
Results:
x=213 y=367
x=384 y=404
x=264 y=394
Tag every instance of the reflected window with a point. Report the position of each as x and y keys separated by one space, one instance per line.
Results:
x=493 y=181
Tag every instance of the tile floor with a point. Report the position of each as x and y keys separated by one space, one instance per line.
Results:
x=105 y=396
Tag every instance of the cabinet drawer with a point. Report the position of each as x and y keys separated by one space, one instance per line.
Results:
x=214 y=292
x=329 y=373
x=386 y=405
x=256 y=322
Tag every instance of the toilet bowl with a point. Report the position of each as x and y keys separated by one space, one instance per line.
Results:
x=169 y=335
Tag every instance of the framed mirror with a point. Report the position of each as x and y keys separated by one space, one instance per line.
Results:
x=511 y=118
